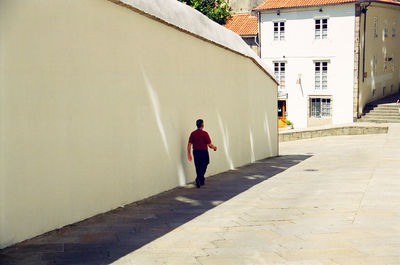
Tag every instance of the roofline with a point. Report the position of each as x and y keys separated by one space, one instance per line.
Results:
x=383 y=2
x=248 y=35
x=242 y=13
x=352 y=2
x=297 y=7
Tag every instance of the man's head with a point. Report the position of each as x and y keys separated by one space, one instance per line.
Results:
x=199 y=123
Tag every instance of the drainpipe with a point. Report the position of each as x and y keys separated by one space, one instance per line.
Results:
x=258 y=45
x=259 y=31
x=364 y=10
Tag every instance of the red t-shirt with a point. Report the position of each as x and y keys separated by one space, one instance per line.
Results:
x=199 y=139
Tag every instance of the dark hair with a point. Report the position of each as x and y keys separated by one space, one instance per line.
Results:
x=199 y=123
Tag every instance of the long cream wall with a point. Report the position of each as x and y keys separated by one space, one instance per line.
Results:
x=97 y=102
x=378 y=47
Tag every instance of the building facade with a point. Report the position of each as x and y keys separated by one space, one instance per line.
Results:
x=328 y=70
x=379 y=49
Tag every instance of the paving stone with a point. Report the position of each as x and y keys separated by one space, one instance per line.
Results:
x=233 y=258
x=318 y=254
x=368 y=260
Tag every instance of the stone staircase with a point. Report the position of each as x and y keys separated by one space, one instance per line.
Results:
x=381 y=113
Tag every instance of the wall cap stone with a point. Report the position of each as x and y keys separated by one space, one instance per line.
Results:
x=189 y=20
x=354 y=129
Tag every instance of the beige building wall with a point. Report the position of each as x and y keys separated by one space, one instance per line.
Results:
x=96 y=105
x=381 y=74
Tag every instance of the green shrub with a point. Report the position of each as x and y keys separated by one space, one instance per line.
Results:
x=217 y=10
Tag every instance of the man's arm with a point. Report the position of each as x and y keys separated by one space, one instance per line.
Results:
x=208 y=139
x=212 y=146
x=189 y=150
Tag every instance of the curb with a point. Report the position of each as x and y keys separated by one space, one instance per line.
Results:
x=336 y=131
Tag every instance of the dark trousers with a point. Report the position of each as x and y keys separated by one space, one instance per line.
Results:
x=201 y=161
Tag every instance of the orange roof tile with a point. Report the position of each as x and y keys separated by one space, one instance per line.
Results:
x=277 y=4
x=389 y=2
x=243 y=24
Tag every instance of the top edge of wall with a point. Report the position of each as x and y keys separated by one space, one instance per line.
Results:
x=187 y=19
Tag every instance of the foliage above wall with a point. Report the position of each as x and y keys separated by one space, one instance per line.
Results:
x=217 y=10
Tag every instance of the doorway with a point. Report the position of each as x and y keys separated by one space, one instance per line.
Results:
x=282 y=113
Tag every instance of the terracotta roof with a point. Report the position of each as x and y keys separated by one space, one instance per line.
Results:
x=280 y=4
x=389 y=2
x=243 y=24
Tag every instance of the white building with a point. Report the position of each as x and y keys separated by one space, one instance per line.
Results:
x=327 y=69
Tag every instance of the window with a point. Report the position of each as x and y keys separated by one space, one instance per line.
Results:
x=394 y=28
x=321 y=75
x=385 y=30
x=320 y=108
x=388 y=65
x=279 y=30
x=375 y=27
x=321 y=28
x=279 y=71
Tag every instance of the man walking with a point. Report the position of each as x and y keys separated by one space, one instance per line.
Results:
x=200 y=141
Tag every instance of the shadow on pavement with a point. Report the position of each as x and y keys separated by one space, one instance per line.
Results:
x=105 y=238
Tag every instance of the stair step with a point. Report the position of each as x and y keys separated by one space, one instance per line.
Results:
x=391 y=115
x=395 y=117
x=394 y=106
x=383 y=112
x=387 y=107
x=379 y=120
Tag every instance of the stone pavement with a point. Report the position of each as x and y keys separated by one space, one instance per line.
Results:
x=108 y=237
x=331 y=200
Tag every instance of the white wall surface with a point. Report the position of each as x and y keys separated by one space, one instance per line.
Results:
x=243 y=5
x=96 y=105
x=380 y=47
x=300 y=49
x=179 y=15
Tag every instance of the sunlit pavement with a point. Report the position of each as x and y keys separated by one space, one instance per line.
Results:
x=339 y=206
x=331 y=200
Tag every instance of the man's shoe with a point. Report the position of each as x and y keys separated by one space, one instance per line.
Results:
x=202 y=182
x=197 y=183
